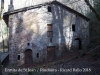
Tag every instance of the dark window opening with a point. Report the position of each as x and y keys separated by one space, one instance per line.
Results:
x=37 y=55
x=49 y=27
x=73 y=27
x=49 y=30
x=50 y=33
x=51 y=40
x=18 y=57
x=28 y=44
x=49 y=8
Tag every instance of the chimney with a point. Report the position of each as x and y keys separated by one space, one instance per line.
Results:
x=1 y=8
x=2 y=4
x=11 y=2
x=10 y=7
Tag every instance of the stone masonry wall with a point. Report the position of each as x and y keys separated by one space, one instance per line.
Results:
x=28 y=27
x=28 y=30
x=64 y=37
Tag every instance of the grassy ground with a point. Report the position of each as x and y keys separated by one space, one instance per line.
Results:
x=88 y=63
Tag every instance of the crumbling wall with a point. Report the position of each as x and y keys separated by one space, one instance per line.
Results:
x=28 y=27
x=28 y=30
x=64 y=36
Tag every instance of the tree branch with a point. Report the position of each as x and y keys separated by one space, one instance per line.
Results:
x=93 y=10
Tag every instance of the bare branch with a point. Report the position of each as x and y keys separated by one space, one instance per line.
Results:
x=93 y=10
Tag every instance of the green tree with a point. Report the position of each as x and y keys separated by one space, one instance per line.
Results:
x=94 y=23
x=94 y=9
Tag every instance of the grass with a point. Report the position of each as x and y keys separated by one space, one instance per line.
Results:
x=15 y=73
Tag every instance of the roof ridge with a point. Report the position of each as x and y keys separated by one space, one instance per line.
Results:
x=43 y=4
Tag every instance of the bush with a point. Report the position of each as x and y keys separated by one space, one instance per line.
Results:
x=82 y=53
x=96 y=56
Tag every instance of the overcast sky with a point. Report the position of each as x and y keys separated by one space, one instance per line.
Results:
x=17 y=4
x=24 y=3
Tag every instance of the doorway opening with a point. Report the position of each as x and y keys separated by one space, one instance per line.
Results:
x=79 y=43
x=28 y=56
x=51 y=53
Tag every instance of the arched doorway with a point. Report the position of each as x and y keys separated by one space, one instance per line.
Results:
x=50 y=53
x=28 y=56
x=79 y=43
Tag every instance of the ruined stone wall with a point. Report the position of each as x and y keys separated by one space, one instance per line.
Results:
x=29 y=27
x=78 y=5
x=64 y=36
x=28 y=30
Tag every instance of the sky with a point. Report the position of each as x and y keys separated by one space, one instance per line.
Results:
x=24 y=3
x=17 y=4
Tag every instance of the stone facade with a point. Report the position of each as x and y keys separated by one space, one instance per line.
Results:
x=28 y=30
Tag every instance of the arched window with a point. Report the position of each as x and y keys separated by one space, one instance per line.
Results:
x=37 y=55
x=18 y=57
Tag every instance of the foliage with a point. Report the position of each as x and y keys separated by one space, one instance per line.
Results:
x=95 y=56
x=94 y=24
x=93 y=9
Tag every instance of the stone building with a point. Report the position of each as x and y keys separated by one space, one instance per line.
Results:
x=44 y=32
